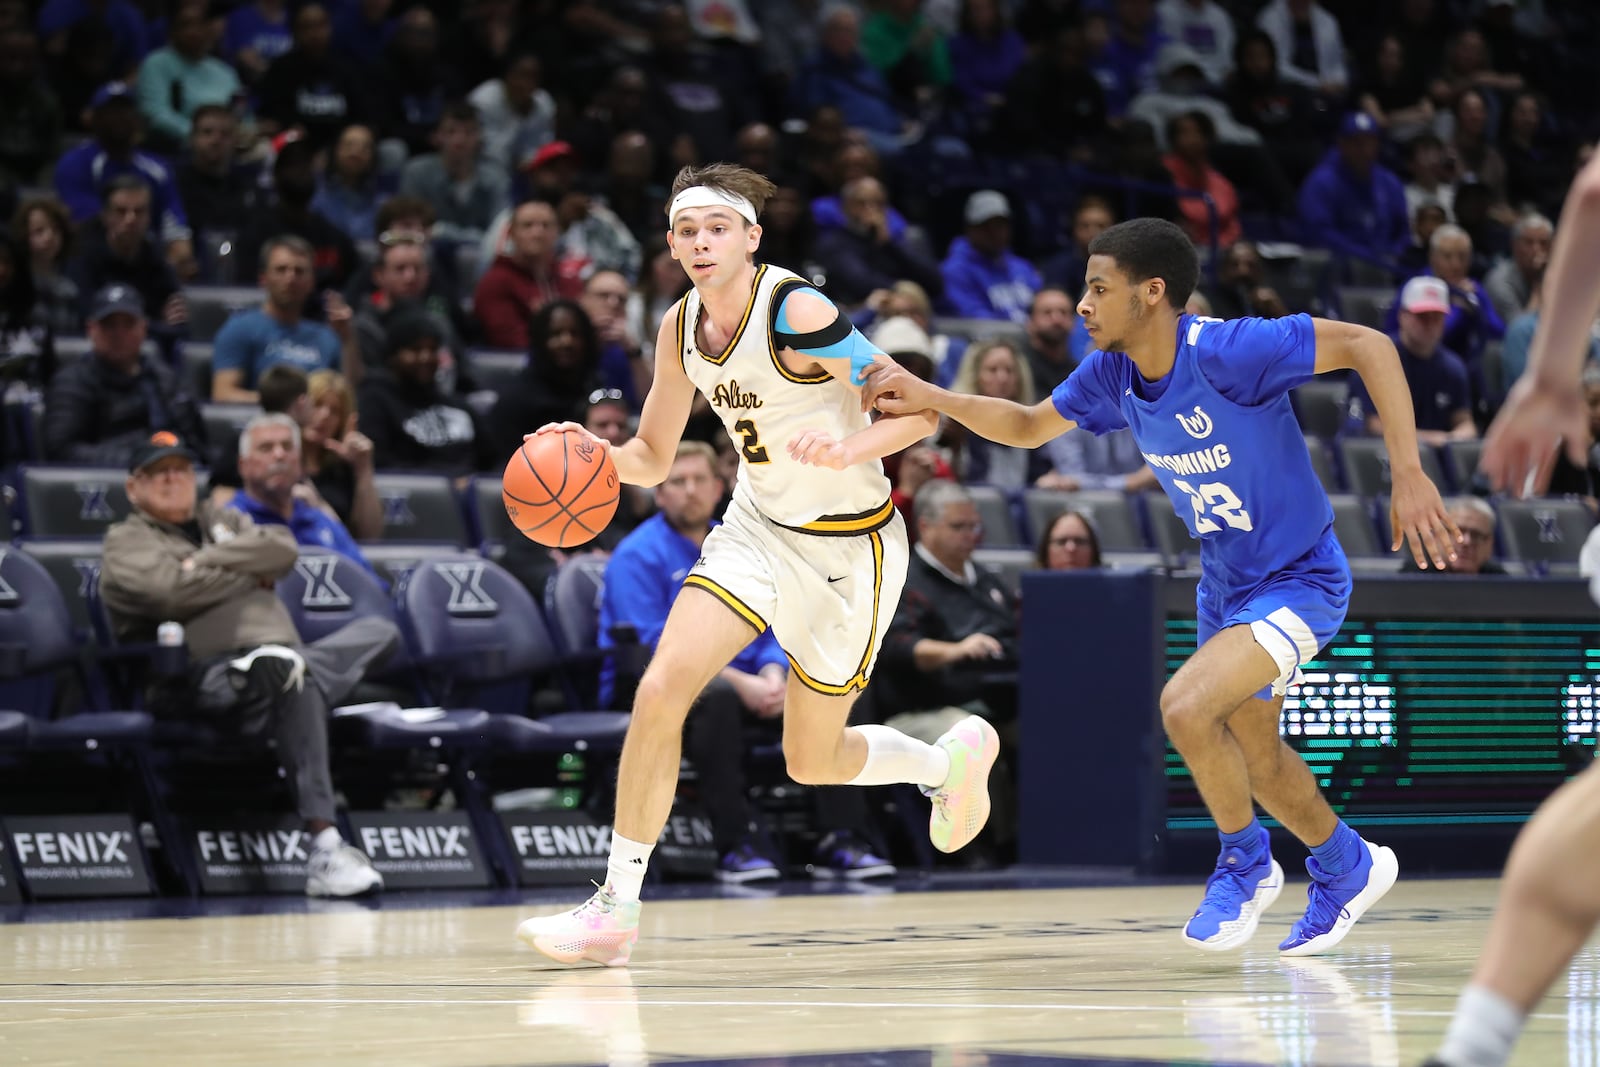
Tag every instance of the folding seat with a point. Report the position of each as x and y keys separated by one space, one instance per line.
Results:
x=420 y=507
x=1547 y=531
x=1111 y=511
x=997 y=511
x=72 y=501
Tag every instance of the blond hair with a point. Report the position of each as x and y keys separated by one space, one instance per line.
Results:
x=730 y=178
x=331 y=387
x=690 y=449
x=967 y=374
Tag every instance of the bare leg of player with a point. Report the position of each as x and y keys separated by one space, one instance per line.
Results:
x=1201 y=708
x=1549 y=904
x=700 y=637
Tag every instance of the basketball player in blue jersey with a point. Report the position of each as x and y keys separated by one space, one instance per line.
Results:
x=1550 y=897
x=811 y=545
x=1208 y=403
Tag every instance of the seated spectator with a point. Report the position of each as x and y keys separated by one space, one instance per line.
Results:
x=1512 y=282
x=100 y=408
x=275 y=489
x=1052 y=346
x=219 y=192
x=349 y=193
x=258 y=338
x=622 y=367
x=255 y=34
x=412 y=423
x=591 y=233
x=840 y=75
x=1055 y=106
x=1081 y=460
x=983 y=278
x=465 y=191
x=338 y=457
x=1470 y=145
x=1205 y=27
x=563 y=369
x=1240 y=290
x=397 y=215
x=525 y=279
x=1310 y=46
x=663 y=284
x=518 y=115
x=1351 y=203
x=1283 y=113
x=788 y=230
x=1440 y=394
x=85 y=173
x=43 y=227
x=1430 y=181
x=984 y=57
x=1426 y=219
x=1519 y=337
x=1069 y=543
x=953 y=633
x=118 y=247
x=309 y=88
x=1065 y=270
x=213 y=570
x=863 y=256
x=294 y=177
x=630 y=190
x=993 y=368
x=177 y=80
x=1126 y=63
x=29 y=112
x=703 y=95
x=412 y=87
x=1191 y=136
x=1473 y=321
x=1475 y=553
x=908 y=50
x=1393 y=91
x=1181 y=89
x=403 y=277
x=643 y=578
x=27 y=343
x=1535 y=167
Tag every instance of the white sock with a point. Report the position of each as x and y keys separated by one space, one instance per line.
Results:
x=1485 y=1028
x=327 y=840
x=625 y=869
x=896 y=757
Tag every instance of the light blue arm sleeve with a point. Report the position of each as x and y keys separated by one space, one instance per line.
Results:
x=856 y=348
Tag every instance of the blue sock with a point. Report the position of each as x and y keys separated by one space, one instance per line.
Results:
x=1251 y=841
x=1340 y=853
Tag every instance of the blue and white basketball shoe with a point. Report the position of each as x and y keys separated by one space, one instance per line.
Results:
x=1239 y=890
x=1333 y=904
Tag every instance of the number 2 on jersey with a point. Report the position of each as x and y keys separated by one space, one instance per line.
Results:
x=754 y=451
x=1220 y=501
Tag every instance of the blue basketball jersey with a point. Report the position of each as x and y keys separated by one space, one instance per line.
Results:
x=1222 y=437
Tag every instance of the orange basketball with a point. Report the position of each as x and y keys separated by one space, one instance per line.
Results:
x=560 y=489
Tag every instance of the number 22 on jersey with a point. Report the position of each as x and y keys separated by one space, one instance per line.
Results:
x=1214 y=500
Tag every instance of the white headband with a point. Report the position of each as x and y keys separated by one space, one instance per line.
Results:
x=706 y=196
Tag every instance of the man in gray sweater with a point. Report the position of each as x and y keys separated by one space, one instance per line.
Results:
x=213 y=570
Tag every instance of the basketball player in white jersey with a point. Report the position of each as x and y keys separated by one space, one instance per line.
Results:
x=811 y=545
x=1550 y=896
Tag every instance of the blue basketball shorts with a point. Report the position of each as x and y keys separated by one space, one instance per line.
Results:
x=1291 y=614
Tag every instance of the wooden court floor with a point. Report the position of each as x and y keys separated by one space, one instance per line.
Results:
x=942 y=979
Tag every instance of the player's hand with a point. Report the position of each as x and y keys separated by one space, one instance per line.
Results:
x=979 y=646
x=1417 y=514
x=563 y=427
x=1521 y=447
x=893 y=390
x=819 y=449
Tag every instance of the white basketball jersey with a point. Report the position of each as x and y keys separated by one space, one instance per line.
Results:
x=764 y=405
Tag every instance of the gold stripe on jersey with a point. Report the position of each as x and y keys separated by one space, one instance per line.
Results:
x=749 y=306
x=773 y=307
x=862 y=522
x=739 y=607
x=683 y=313
x=859 y=680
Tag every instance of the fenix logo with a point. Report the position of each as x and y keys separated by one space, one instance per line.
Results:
x=562 y=840
x=264 y=846
x=89 y=846
x=414 y=842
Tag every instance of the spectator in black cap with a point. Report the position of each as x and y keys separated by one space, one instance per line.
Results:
x=412 y=423
x=100 y=408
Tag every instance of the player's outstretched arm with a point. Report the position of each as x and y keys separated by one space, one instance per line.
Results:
x=647 y=457
x=1416 y=512
x=896 y=391
x=1545 y=407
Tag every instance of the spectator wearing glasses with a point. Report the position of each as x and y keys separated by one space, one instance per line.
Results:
x=622 y=366
x=1070 y=543
x=1475 y=554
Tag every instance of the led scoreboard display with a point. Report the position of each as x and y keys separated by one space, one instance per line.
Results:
x=1434 y=720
